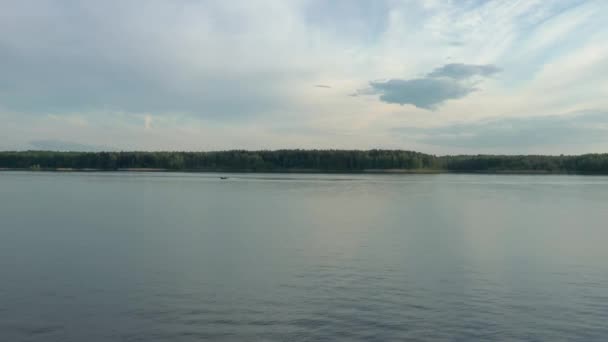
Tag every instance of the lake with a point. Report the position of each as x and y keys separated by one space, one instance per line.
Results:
x=302 y=257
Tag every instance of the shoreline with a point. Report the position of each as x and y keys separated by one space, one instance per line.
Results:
x=305 y=161
x=311 y=171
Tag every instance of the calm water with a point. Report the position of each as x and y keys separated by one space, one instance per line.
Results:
x=189 y=257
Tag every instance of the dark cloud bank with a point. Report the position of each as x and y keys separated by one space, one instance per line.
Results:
x=451 y=81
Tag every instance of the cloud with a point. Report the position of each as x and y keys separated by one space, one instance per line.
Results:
x=352 y=20
x=456 y=43
x=422 y=92
x=322 y=86
x=147 y=122
x=60 y=145
x=178 y=57
x=221 y=74
x=518 y=134
x=44 y=84
x=459 y=71
x=449 y=82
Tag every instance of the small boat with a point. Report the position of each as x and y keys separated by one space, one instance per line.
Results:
x=223 y=177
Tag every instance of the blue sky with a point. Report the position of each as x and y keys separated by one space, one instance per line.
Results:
x=436 y=76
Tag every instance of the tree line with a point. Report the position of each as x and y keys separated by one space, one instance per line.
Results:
x=304 y=160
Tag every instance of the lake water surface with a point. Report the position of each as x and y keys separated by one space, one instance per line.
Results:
x=270 y=257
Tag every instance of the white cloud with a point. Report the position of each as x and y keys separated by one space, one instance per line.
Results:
x=147 y=122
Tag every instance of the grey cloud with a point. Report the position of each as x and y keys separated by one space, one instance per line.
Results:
x=449 y=82
x=72 y=57
x=456 y=43
x=459 y=71
x=322 y=86
x=573 y=129
x=43 y=84
x=423 y=92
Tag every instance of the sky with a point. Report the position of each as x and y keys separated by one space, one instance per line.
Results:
x=441 y=77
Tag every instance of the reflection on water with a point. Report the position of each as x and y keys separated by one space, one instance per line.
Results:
x=189 y=257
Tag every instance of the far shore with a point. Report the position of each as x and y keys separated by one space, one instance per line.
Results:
x=311 y=171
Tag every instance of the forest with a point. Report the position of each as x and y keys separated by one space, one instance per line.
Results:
x=304 y=161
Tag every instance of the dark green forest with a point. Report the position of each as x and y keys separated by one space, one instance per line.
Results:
x=304 y=161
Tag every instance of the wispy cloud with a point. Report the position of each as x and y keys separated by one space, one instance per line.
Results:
x=147 y=122
x=518 y=133
x=459 y=71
